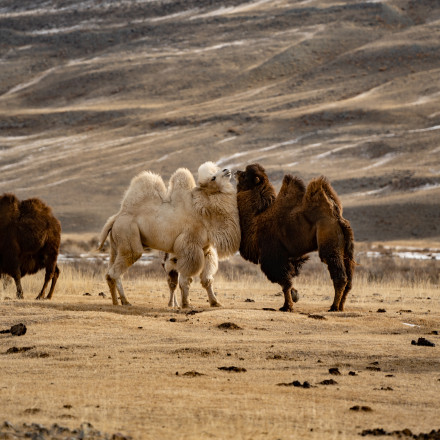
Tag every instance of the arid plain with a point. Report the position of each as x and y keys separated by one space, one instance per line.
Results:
x=146 y=371
x=91 y=93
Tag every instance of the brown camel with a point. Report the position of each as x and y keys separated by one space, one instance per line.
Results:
x=30 y=238
x=278 y=232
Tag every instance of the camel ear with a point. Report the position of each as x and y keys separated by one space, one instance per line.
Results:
x=257 y=180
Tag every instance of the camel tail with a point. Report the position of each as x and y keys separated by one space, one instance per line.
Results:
x=336 y=205
x=348 y=238
x=345 y=224
x=106 y=230
x=349 y=261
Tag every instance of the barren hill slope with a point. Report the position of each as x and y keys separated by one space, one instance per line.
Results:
x=92 y=92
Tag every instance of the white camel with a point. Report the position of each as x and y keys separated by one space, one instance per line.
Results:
x=197 y=224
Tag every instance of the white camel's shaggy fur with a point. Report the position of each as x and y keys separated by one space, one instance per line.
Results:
x=184 y=220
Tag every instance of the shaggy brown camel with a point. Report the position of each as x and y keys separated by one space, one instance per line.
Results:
x=30 y=239
x=278 y=231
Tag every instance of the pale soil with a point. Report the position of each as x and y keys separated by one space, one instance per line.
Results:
x=123 y=368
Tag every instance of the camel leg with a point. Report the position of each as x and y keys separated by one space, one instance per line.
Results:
x=344 y=296
x=47 y=278
x=17 y=279
x=207 y=285
x=120 y=261
x=288 y=302
x=349 y=269
x=111 y=283
x=56 y=274
x=114 y=282
x=207 y=275
x=293 y=269
x=49 y=275
x=184 y=284
x=169 y=265
x=190 y=262
x=119 y=267
x=173 y=281
x=339 y=277
x=112 y=287
x=121 y=292
x=278 y=269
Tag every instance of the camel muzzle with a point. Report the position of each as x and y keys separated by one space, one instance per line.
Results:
x=227 y=173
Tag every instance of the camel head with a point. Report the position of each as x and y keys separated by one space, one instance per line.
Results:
x=254 y=176
x=254 y=189
x=213 y=179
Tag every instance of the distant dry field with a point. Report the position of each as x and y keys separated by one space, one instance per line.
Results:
x=243 y=371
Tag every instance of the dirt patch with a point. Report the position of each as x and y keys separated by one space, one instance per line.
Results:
x=404 y=433
x=233 y=369
x=18 y=349
x=313 y=316
x=296 y=383
x=16 y=330
x=190 y=351
x=229 y=326
x=423 y=342
x=35 y=430
x=193 y=373
x=361 y=408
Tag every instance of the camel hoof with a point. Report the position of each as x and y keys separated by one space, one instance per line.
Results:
x=215 y=304
x=186 y=306
x=286 y=309
x=333 y=309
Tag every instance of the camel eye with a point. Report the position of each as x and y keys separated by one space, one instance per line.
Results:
x=213 y=178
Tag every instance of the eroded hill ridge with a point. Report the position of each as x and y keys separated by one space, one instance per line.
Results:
x=91 y=93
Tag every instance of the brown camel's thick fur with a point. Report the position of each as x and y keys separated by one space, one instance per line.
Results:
x=29 y=241
x=278 y=231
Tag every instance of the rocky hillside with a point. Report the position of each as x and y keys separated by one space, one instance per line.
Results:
x=94 y=91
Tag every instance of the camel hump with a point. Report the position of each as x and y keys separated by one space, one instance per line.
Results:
x=292 y=191
x=181 y=179
x=145 y=186
x=319 y=192
x=9 y=209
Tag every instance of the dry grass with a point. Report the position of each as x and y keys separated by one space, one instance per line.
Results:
x=123 y=368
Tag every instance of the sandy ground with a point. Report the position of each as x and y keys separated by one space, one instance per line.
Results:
x=91 y=93
x=150 y=372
